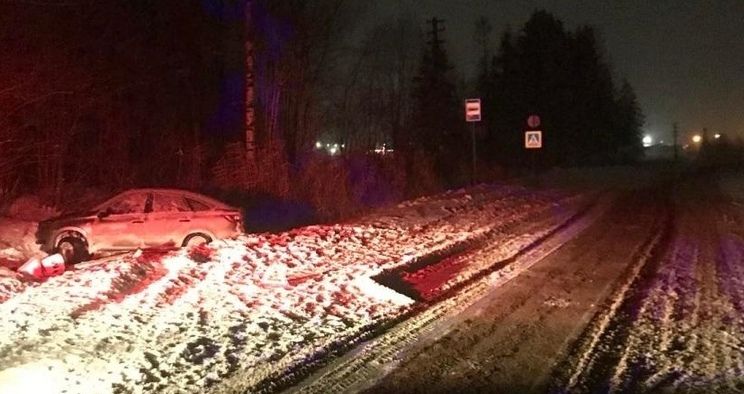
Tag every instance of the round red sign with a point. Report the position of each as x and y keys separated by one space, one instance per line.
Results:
x=533 y=121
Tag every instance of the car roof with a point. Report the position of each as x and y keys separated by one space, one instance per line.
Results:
x=186 y=193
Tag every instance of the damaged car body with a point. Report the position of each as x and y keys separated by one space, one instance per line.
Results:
x=140 y=218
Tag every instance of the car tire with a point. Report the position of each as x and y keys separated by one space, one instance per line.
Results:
x=73 y=249
x=196 y=239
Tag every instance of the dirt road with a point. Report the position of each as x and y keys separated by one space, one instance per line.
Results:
x=649 y=298
x=511 y=340
x=680 y=326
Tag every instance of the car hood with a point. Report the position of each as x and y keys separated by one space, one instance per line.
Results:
x=72 y=217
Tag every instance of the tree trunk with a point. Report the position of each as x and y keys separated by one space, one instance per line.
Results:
x=250 y=97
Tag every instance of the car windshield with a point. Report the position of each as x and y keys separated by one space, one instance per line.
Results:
x=127 y=203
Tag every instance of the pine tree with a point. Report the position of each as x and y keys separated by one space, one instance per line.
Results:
x=631 y=120
x=437 y=124
x=563 y=77
x=482 y=36
x=592 y=103
x=505 y=104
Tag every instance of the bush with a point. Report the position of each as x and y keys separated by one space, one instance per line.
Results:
x=323 y=181
x=325 y=188
x=374 y=180
x=423 y=179
x=28 y=207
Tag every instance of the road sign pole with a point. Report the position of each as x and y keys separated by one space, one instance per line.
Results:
x=674 y=140
x=472 y=115
x=472 y=137
x=533 y=141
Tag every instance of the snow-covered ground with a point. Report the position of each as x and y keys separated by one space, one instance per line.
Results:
x=17 y=239
x=680 y=325
x=245 y=314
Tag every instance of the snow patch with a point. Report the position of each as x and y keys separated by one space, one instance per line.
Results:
x=244 y=312
x=380 y=293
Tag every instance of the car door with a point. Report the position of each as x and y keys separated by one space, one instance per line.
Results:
x=121 y=224
x=169 y=221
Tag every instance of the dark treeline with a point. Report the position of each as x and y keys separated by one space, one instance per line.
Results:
x=117 y=94
x=112 y=94
x=563 y=76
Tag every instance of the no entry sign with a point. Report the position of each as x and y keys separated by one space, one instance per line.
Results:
x=533 y=121
x=472 y=110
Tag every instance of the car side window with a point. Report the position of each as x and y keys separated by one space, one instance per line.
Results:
x=134 y=203
x=197 y=205
x=169 y=203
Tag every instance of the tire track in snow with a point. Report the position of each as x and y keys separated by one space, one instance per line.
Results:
x=695 y=345
x=665 y=304
x=445 y=205
x=370 y=361
x=590 y=352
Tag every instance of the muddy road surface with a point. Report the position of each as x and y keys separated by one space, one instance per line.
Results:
x=512 y=339
x=648 y=298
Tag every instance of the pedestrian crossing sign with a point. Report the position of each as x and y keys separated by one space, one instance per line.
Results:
x=533 y=139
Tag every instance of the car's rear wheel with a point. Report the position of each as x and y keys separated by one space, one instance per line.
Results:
x=72 y=249
x=196 y=239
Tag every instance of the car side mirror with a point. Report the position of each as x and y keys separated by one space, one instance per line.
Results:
x=104 y=214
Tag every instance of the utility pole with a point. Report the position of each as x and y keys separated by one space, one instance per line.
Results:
x=435 y=42
x=675 y=131
x=249 y=37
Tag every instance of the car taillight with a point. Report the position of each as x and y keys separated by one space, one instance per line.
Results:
x=237 y=220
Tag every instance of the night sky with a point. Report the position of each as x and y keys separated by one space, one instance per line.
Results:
x=685 y=59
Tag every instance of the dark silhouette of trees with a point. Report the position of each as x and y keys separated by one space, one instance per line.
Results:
x=107 y=94
x=437 y=124
x=629 y=120
x=113 y=94
x=563 y=77
x=482 y=37
x=374 y=103
x=299 y=50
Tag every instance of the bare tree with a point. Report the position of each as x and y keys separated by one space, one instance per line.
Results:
x=375 y=101
x=301 y=67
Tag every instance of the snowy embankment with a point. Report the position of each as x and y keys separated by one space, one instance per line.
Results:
x=244 y=314
x=17 y=244
x=17 y=241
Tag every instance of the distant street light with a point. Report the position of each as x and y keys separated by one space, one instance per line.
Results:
x=647 y=140
x=697 y=138
x=717 y=136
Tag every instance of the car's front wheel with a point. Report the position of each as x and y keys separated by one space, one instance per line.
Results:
x=73 y=249
x=196 y=239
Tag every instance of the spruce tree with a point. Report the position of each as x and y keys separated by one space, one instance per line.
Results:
x=630 y=121
x=563 y=77
x=437 y=119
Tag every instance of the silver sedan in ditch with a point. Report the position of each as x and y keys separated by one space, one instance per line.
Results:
x=140 y=218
